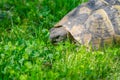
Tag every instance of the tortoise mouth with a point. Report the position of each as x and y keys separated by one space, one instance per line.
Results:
x=56 y=41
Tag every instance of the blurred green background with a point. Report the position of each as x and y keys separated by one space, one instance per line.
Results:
x=27 y=54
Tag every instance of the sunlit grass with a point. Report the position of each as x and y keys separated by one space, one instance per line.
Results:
x=27 y=54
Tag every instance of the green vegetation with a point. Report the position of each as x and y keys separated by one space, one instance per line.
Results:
x=27 y=54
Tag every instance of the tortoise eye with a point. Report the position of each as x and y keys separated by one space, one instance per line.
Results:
x=57 y=36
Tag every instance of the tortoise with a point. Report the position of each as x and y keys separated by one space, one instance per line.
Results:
x=94 y=23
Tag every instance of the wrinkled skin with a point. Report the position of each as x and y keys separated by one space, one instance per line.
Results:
x=58 y=34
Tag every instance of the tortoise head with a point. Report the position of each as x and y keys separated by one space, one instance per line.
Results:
x=58 y=34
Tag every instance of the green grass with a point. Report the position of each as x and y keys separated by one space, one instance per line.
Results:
x=27 y=54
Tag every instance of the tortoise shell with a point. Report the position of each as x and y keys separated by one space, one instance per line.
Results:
x=95 y=23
